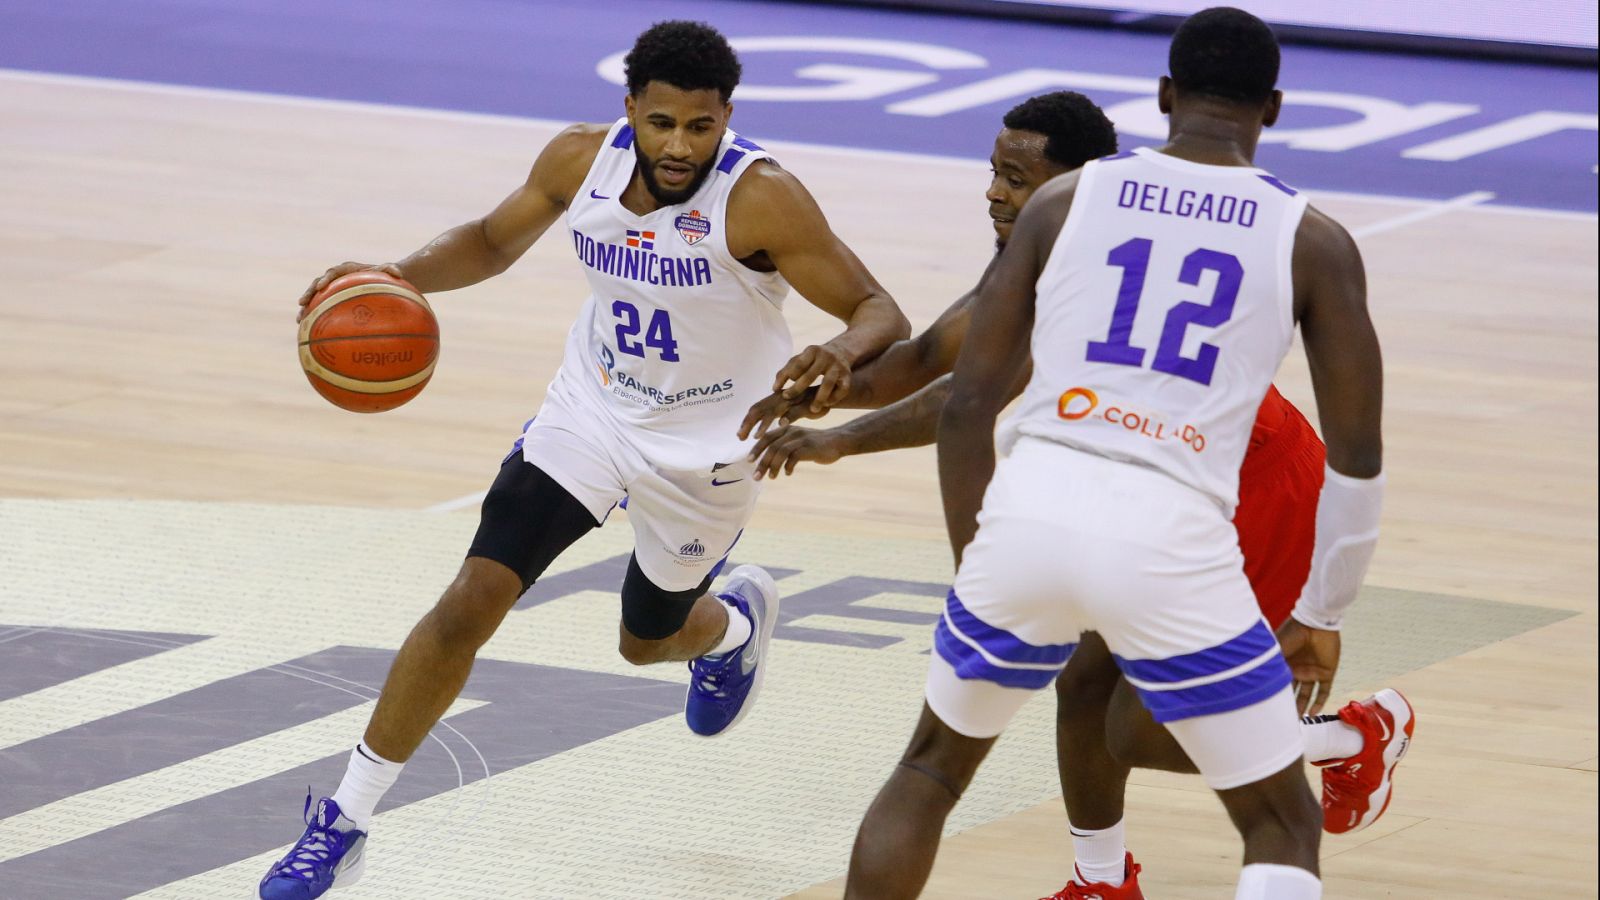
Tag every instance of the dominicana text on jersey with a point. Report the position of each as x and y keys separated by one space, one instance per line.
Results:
x=677 y=338
x=1162 y=314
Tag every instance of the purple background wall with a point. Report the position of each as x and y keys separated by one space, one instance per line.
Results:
x=537 y=58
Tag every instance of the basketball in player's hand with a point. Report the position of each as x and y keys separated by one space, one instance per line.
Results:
x=368 y=342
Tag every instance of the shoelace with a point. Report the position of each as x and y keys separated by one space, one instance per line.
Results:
x=315 y=846
x=708 y=677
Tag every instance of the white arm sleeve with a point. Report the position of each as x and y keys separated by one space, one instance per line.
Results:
x=1347 y=533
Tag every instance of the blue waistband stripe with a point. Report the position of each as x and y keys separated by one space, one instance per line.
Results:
x=969 y=663
x=1229 y=654
x=1216 y=697
x=1002 y=644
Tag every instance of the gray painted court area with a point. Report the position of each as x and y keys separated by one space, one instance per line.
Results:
x=856 y=622
x=531 y=712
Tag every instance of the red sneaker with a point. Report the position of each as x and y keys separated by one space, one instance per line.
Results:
x=1100 y=890
x=1356 y=790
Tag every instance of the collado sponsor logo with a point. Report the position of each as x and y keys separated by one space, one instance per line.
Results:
x=1080 y=403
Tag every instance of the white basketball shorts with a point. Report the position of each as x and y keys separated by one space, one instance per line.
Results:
x=1070 y=542
x=684 y=522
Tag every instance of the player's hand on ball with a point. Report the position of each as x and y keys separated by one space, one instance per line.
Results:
x=1313 y=657
x=818 y=361
x=342 y=269
x=781 y=449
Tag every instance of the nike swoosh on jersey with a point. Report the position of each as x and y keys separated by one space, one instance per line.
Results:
x=597 y=196
x=716 y=483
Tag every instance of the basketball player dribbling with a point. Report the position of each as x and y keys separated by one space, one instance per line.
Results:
x=1101 y=729
x=690 y=237
x=1161 y=289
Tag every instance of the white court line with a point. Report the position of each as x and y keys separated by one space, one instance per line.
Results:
x=1432 y=210
x=458 y=503
x=530 y=122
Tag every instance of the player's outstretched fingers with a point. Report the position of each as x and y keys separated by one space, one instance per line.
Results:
x=339 y=271
x=797 y=366
x=819 y=368
x=1324 y=690
x=764 y=413
x=835 y=386
x=776 y=454
x=1304 y=695
x=764 y=443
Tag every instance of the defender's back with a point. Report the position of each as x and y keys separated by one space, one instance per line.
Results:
x=1162 y=314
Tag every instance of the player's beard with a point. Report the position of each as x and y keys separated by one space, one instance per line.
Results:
x=665 y=197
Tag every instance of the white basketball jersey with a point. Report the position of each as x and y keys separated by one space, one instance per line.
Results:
x=1162 y=315
x=677 y=338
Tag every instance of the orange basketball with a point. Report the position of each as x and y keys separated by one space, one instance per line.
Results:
x=368 y=342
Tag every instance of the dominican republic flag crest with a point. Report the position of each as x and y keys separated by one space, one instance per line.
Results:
x=693 y=227
x=644 y=240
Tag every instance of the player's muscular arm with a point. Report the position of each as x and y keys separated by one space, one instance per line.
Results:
x=1341 y=345
x=1347 y=375
x=992 y=359
x=771 y=213
x=485 y=247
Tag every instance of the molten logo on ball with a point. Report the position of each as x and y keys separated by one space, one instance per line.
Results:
x=372 y=358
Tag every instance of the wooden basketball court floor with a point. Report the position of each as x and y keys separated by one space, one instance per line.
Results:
x=164 y=468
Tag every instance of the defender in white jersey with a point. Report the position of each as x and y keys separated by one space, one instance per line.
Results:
x=1160 y=289
x=690 y=236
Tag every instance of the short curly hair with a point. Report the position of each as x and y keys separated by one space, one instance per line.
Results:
x=1227 y=53
x=1076 y=130
x=690 y=56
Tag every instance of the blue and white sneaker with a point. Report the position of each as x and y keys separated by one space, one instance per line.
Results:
x=331 y=853
x=722 y=688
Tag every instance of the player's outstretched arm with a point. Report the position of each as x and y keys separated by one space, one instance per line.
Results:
x=485 y=247
x=1347 y=375
x=904 y=369
x=771 y=212
x=993 y=358
x=910 y=422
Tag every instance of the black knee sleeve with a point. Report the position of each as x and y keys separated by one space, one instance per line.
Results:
x=650 y=613
x=528 y=520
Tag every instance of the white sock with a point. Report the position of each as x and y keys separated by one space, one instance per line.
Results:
x=1267 y=881
x=368 y=777
x=1100 y=855
x=738 y=630
x=1329 y=737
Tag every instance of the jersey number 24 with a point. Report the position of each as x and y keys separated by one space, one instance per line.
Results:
x=657 y=335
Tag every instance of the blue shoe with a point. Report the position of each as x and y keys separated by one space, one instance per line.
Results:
x=722 y=688
x=332 y=853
